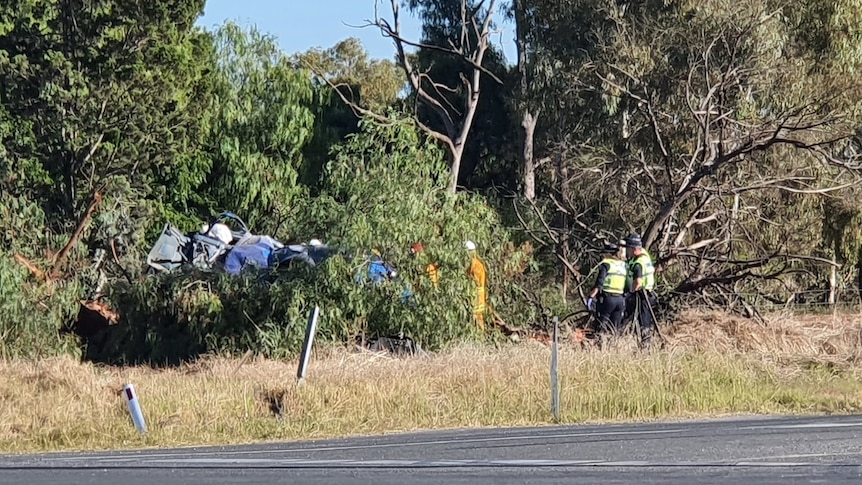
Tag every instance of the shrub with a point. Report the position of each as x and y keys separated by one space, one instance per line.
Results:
x=33 y=313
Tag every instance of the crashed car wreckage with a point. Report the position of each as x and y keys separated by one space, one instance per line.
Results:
x=218 y=247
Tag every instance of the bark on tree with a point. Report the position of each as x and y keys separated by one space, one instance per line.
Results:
x=60 y=257
x=563 y=177
x=859 y=277
x=529 y=118
x=528 y=123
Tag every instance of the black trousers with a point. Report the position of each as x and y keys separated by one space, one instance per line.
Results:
x=610 y=312
x=641 y=306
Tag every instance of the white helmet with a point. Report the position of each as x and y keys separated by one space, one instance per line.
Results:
x=470 y=245
x=315 y=243
x=221 y=232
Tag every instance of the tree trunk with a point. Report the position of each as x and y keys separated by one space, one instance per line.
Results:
x=69 y=182
x=458 y=142
x=60 y=257
x=859 y=276
x=833 y=282
x=666 y=212
x=529 y=117
x=563 y=176
x=566 y=252
x=453 y=136
x=528 y=123
x=455 y=154
x=734 y=217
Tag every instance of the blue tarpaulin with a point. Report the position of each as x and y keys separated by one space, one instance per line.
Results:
x=254 y=254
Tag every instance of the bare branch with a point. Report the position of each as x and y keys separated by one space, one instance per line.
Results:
x=455 y=131
x=526 y=227
x=395 y=33
x=359 y=111
x=701 y=244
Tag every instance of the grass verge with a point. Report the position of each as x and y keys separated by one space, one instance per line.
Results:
x=61 y=404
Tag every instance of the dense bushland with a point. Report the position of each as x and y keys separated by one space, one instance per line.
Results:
x=726 y=134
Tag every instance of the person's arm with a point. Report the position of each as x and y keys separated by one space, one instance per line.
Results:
x=637 y=277
x=627 y=286
x=600 y=279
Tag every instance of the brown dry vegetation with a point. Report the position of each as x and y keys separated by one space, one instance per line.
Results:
x=803 y=336
x=713 y=364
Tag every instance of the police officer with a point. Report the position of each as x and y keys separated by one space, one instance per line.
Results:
x=641 y=274
x=610 y=282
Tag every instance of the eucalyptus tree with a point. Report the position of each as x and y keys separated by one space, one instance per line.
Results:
x=263 y=119
x=460 y=30
x=714 y=128
x=103 y=102
x=345 y=70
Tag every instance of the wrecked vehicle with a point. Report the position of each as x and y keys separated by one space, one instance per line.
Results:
x=219 y=247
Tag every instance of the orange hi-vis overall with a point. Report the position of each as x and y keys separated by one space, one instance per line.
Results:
x=480 y=306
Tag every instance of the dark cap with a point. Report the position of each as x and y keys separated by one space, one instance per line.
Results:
x=611 y=248
x=634 y=240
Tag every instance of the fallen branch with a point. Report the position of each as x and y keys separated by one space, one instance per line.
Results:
x=60 y=257
x=117 y=262
x=36 y=272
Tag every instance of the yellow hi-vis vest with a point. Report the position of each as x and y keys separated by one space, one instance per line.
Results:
x=647 y=270
x=615 y=281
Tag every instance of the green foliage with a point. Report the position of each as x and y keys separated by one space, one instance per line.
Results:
x=96 y=91
x=173 y=318
x=107 y=98
x=263 y=120
x=122 y=228
x=842 y=229
x=22 y=226
x=387 y=186
x=31 y=312
x=371 y=83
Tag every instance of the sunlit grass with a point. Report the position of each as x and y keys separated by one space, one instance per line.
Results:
x=62 y=404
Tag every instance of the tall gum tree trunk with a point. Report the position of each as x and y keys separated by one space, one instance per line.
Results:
x=457 y=123
x=529 y=118
x=455 y=155
x=528 y=123
x=565 y=250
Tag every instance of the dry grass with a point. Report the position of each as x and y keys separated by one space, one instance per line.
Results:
x=780 y=334
x=712 y=365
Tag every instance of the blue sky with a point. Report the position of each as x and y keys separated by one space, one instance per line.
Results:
x=302 y=24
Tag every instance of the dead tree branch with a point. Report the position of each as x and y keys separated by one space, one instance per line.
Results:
x=456 y=123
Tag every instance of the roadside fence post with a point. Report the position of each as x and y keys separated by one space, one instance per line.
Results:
x=555 y=381
x=310 y=330
x=134 y=408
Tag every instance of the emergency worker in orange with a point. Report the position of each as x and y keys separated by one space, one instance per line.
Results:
x=432 y=270
x=478 y=273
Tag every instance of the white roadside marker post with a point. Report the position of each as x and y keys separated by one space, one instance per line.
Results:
x=555 y=382
x=134 y=408
x=310 y=330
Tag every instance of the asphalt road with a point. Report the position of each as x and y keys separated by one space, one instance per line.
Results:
x=763 y=451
